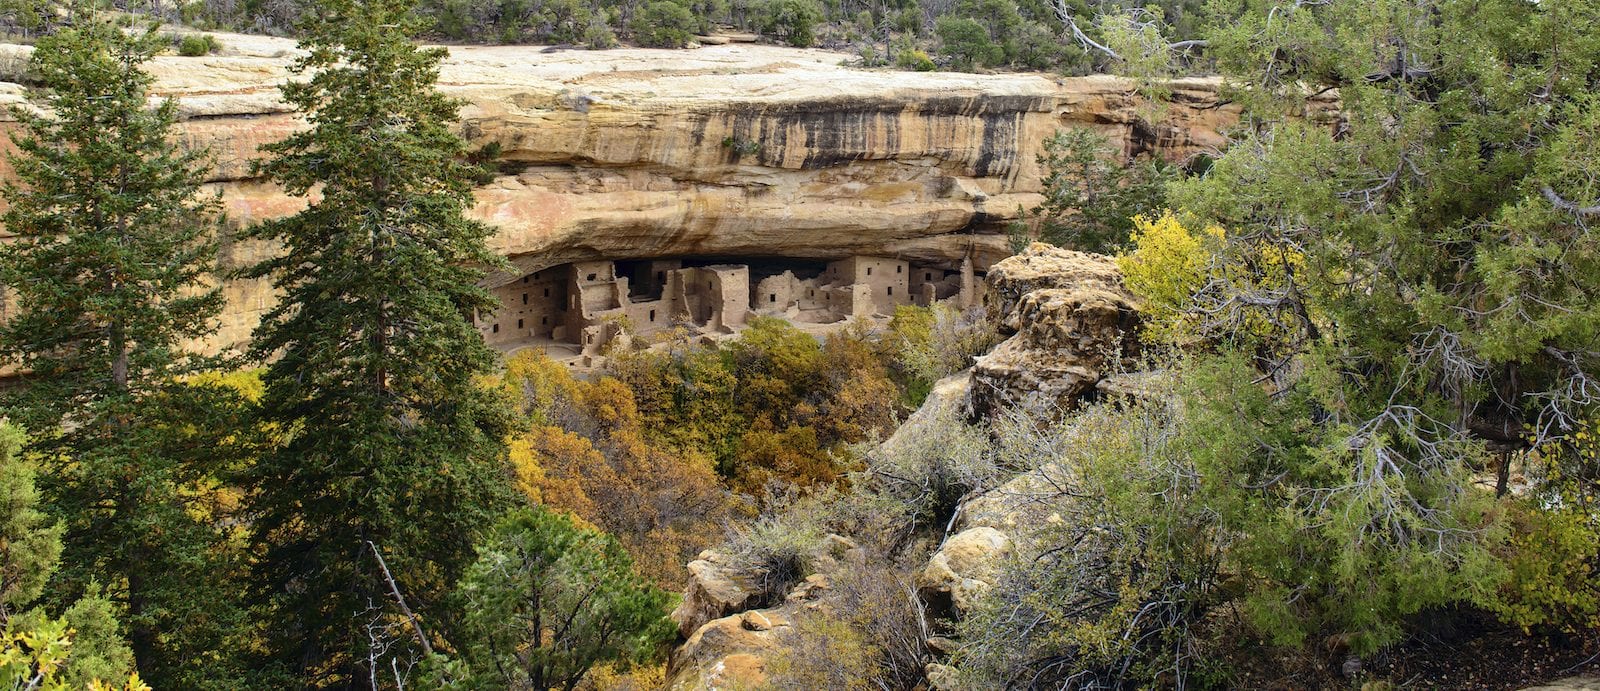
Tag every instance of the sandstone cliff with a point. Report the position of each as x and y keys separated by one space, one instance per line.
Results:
x=725 y=151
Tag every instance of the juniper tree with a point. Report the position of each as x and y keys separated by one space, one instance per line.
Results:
x=109 y=280
x=373 y=362
x=1414 y=282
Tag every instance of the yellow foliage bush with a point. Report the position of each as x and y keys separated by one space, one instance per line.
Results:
x=1167 y=264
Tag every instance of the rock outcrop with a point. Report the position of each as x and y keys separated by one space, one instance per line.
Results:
x=1070 y=318
x=729 y=635
x=726 y=151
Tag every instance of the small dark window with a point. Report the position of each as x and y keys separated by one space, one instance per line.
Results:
x=524 y=279
x=652 y=315
x=593 y=276
x=811 y=293
x=544 y=320
x=524 y=298
x=708 y=285
x=535 y=275
x=869 y=271
x=661 y=276
x=773 y=297
x=519 y=323
x=547 y=292
x=927 y=276
x=891 y=290
x=897 y=268
x=495 y=329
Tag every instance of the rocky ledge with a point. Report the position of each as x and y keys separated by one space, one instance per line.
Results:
x=725 y=151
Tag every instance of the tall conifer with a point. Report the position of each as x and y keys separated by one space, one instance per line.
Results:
x=109 y=279
x=373 y=359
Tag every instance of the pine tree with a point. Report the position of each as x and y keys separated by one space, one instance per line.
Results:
x=109 y=273
x=374 y=364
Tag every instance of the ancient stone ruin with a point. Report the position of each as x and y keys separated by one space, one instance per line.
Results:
x=574 y=311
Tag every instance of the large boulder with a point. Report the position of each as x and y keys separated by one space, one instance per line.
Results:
x=716 y=589
x=1071 y=320
x=963 y=568
x=733 y=628
x=730 y=652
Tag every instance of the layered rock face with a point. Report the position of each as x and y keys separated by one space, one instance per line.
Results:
x=726 y=151
x=1071 y=321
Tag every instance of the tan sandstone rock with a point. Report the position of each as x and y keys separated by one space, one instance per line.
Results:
x=964 y=567
x=716 y=589
x=724 y=151
x=728 y=653
x=1071 y=318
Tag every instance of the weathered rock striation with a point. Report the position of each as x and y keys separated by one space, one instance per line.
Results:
x=1071 y=321
x=723 y=152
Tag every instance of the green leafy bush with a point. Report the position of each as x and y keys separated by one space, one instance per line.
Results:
x=196 y=45
x=967 y=43
x=912 y=59
x=793 y=21
x=664 y=24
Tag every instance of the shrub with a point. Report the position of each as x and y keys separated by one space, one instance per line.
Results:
x=794 y=21
x=912 y=59
x=1164 y=268
x=870 y=637
x=933 y=462
x=967 y=43
x=663 y=24
x=196 y=45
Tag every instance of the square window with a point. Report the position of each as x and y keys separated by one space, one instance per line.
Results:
x=593 y=276
x=772 y=297
x=927 y=276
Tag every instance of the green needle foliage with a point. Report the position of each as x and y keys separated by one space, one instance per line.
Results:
x=38 y=651
x=548 y=600
x=373 y=362
x=110 y=275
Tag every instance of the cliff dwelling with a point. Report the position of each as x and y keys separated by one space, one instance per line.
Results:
x=574 y=311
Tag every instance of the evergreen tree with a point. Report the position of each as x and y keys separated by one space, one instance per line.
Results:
x=109 y=272
x=374 y=364
x=38 y=651
x=549 y=600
